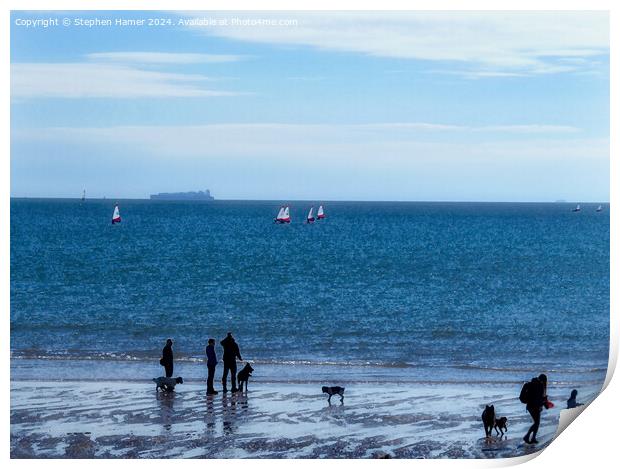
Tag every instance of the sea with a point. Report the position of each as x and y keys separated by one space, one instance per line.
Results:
x=398 y=292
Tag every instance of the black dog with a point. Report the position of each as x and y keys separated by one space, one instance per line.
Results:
x=244 y=375
x=167 y=384
x=499 y=424
x=488 y=420
x=331 y=390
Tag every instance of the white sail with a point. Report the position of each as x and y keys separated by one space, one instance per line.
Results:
x=283 y=215
x=310 y=215
x=320 y=214
x=116 y=216
x=599 y=208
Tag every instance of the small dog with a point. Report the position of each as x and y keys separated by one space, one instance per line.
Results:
x=332 y=390
x=244 y=375
x=499 y=424
x=488 y=420
x=167 y=384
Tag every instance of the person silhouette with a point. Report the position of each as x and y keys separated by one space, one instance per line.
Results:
x=231 y=353
x=536 y=399
x=571 y=403
x=167 y=358
x=211 y=364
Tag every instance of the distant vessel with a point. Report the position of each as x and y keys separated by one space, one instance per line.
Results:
x=320 y=214
x=200 y=195
x=83 y=195
x=577 y=208
x=310 y=217
x=599 y=208
x=116 y=216
x=283 y=215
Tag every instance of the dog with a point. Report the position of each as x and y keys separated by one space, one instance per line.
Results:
x=488 y=420
x=244 y=375
x=332 y=390
x=167 y=384
x=499 y=424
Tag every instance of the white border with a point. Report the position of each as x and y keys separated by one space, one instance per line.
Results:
x=591 y=442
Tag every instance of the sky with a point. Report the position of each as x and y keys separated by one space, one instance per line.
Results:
x=446 y=106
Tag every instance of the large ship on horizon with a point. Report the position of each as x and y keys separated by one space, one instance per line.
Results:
x=200 y=195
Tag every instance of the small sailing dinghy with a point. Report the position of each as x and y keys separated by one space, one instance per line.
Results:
x=577 y=208
x=599 y=208
x=116 y=216
x=283 y=215
x=310 y=217
x=83 y=195
x=320 y=214
x=279 y=216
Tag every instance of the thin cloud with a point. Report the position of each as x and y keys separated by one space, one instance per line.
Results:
x=425 y=126
x=512 y=43
x=163 y=57
x=528 y=129
x=318 y=78
x=249 y=137
x=102 y=80
x=238 y=158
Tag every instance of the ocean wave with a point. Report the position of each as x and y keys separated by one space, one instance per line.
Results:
x=113 y=356
x=147 y=357
x=534 y=368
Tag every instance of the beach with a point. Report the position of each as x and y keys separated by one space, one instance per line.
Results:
x=123 y=419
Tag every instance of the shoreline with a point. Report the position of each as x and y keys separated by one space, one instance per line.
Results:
x=105 y=419
x=303 y=372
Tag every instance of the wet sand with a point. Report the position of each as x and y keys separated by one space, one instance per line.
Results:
x=91 y=419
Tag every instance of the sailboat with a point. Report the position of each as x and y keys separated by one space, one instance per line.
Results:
x=599 y=208
x=116 y=216
x=320 y=214
x=577 y=208
x=310 y=217
x=283 y=215
x=83 y=195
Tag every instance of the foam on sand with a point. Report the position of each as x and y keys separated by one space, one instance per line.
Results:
x=131 y=420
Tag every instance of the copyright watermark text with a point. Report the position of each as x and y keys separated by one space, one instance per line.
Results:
x=164 y=21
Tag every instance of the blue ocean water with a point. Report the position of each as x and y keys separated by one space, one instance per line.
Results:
x=440 y=289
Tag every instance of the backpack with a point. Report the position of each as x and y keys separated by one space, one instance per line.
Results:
x=523 y=396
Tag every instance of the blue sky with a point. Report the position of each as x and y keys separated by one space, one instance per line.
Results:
x=331 y=106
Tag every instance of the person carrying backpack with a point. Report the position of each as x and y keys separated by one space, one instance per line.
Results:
x=534 y=396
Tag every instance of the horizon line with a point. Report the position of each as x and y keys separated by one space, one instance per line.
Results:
x=558 y=201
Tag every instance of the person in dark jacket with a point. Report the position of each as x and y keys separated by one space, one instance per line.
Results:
x=536 y=399
x=231 y=353
x=211 y=364
x=571 y=403
x=166 y=358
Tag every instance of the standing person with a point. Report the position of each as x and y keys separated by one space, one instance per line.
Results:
x=536 y=399
x=167 y=359
x=231 y=353
x=211 y=364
